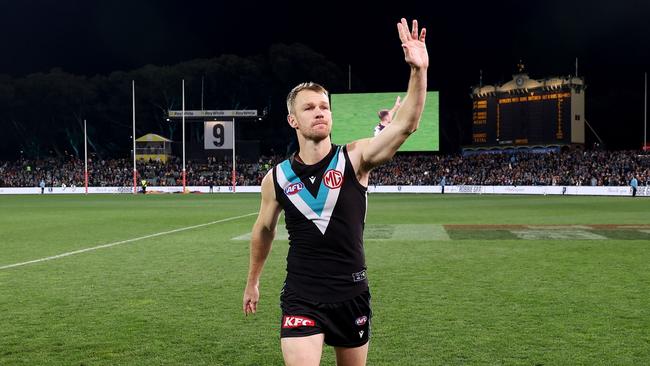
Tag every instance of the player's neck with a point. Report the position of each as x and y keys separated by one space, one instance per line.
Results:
x=311 y=152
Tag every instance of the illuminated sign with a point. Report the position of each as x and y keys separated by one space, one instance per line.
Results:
x=214 y=113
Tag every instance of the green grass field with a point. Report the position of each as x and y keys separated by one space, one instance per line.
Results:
x=455 y=280
x=355 y=117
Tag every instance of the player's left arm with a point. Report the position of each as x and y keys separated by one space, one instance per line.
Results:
x=366 y=154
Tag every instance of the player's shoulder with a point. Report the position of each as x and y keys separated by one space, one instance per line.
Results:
x=267 y=186
x=355 y=152
x=269 y=177
x=357 y=146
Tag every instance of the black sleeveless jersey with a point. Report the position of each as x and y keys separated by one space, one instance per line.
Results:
x=325 y=210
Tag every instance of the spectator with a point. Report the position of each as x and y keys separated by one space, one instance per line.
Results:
x=598 y=167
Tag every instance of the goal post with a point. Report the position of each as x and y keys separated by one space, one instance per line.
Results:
x=218 y=130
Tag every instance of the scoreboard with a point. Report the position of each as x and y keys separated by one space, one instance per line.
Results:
x=528 y=112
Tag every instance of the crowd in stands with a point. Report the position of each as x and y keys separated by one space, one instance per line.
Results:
x=575 y=167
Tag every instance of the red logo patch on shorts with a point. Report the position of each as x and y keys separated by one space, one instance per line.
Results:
x=333 y=179
x=290 y=321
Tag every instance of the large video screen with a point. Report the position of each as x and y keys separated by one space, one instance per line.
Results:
x=534 y=118
x=355 y=117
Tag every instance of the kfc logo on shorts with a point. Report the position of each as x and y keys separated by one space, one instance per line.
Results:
x=289 y=321
x=361 y=321
x=294 y=188
x=333 y=179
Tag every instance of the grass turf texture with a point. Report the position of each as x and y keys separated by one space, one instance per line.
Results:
x=354 y=116
x=176 y=299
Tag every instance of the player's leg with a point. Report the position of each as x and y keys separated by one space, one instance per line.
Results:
x=301 y=334
x=302 y=351
x=352 y=356
x=349 y=330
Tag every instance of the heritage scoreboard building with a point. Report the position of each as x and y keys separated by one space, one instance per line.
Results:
x=529 y=112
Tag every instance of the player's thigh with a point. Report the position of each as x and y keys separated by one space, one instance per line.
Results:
x=299 y=351
x=352 y=356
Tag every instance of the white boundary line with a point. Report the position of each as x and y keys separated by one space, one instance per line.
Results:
x=122 y=242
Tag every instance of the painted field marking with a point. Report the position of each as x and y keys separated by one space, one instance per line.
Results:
x=420 y=232
x=280 y=234
x=557 y=234
x=412 y=232
x=559 y=227
x=552 y=232
x=62 y=255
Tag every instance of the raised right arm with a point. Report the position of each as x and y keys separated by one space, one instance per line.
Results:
x=261 y=240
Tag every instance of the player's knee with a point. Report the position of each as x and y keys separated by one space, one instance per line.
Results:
x=300 y=351
x=301 y=357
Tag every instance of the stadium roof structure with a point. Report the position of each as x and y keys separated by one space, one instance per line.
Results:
x=523 y=83
x=152 y=137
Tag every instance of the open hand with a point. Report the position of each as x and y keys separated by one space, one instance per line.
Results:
x=415 y=51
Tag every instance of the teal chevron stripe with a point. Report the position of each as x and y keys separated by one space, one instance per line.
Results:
x=315 y=203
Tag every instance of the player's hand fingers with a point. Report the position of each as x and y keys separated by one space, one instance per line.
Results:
x=405 y=27
x=247 y=305
x=403 y=30
x=423 y=34
x=414 y=30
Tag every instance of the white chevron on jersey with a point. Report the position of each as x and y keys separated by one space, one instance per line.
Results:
x=316 y=209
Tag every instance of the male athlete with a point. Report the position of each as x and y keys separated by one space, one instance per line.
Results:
x=322 y=190
x=385 y=117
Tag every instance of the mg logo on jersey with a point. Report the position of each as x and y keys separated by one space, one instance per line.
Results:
x=361 y=320
x=289 y=321
x=294 y=188
x=333 y=179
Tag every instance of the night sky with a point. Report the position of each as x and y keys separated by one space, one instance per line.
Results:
x=611 y=40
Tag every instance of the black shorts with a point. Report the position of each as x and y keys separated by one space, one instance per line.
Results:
x=344 y=324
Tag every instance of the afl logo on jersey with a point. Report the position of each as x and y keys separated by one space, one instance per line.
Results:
x=333 y=179
x=294 y=188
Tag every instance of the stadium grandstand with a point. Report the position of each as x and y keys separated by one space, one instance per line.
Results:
x=572 y=168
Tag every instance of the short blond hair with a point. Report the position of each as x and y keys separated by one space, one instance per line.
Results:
x=310 y=85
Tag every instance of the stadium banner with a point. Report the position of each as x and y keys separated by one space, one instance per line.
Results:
x=643 y=191
x=129 y=190
x=218 y=135
x=214 y=113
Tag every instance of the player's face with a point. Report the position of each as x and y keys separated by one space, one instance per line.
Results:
x=311 y=115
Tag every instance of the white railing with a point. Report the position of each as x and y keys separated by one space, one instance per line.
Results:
x=643 y=191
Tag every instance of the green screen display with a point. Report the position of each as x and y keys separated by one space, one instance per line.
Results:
x=354 y=117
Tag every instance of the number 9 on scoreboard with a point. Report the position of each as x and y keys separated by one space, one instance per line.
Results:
x=218 y=135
